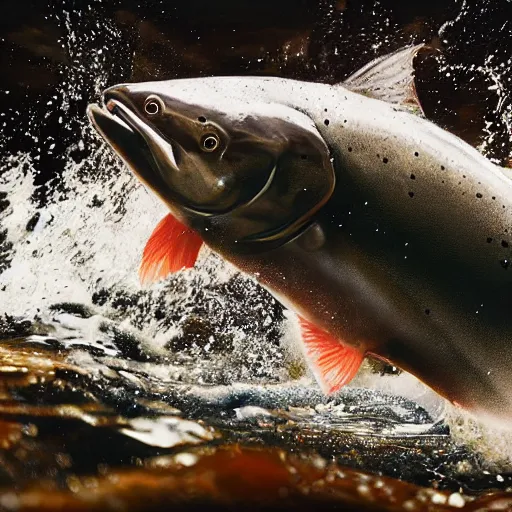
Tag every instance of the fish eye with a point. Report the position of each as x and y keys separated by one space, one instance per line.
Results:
x=152 y=107
x=210 y=142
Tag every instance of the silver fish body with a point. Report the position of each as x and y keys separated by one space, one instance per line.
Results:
x=406 y=253
x=410 y=256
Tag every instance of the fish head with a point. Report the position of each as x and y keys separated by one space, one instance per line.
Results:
x=234 y=167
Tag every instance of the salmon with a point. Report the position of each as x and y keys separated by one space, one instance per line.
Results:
x=384 y=233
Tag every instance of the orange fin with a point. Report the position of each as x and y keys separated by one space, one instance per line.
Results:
x=171 y=247
x=333 y=363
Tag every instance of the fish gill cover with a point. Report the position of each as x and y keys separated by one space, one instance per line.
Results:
x=74 y=221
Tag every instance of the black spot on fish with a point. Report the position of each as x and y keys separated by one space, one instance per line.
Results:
x=494 y=198
x=504 y=244
x=325 y=110
x=442 y=167
x=427 y=311
x=413 y=177
x=416 y=153
x=345 y=121
x=479 y=195
x=326 y=122
x=505 y=263
x=411 y=194
x=201 y=119
x=489 y=240
x=385 y=160
x=350 y=149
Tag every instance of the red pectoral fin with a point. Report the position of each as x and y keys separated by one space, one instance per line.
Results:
x=171 y=247
x=333 y=363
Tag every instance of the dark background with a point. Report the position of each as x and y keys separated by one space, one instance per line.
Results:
x=49 y=49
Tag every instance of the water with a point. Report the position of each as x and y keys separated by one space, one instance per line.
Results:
x=105 y=373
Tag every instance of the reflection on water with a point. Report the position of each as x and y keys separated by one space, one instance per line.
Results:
x=193 y=387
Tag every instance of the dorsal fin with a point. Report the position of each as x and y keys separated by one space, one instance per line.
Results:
x=333 y=363
x=171 y=247
x=389 y=78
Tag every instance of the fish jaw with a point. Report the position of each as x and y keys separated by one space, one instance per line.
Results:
x=129 y=145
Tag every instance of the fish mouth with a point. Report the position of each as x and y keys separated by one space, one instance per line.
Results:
x=119 y=127
x=135 y=142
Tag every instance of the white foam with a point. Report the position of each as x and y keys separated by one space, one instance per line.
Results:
x=492 y=442
x=62 y=260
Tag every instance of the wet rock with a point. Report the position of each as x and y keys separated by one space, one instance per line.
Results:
x=11 y=327
x=4 y=203
x=100 y=297
x=72 y=308
x=197 y=334
x=70 y=399
x=31 y=224
x=5 y=250
x=128 y=344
